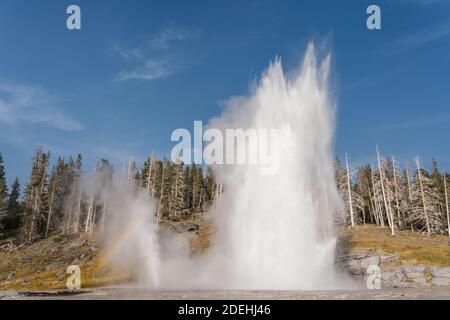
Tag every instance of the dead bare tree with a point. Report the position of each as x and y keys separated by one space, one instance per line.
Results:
x=446 y=204
x=350 y=204
x=387 y=207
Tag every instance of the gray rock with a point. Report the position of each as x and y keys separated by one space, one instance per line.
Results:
x=414 y=272
x=440 y=281
x=360 y=255
x=392 y=278
x=393 y=273
x=440 y=272
x=414 y=268
x=415 y=276
x=356 y=271
x=440 y=276
x=354 y=263
x=365 y=263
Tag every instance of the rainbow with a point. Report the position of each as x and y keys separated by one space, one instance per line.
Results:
x=118 y=242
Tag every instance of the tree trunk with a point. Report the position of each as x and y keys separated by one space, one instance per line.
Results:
x=76 y=222
x=396 y=193
x=158 y=215
x=50 y=209
x=384 y=193
x=352 y=219
x=409 y=184
x=378 y=209
x=446 y=204
x=150 y=175
x=425 y=213
x=372 y=209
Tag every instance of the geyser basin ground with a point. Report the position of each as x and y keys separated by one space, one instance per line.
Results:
x=133 y=293
x=47 y=273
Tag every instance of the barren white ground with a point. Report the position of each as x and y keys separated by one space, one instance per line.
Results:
x=133 y=293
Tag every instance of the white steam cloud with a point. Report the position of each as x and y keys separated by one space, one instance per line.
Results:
x=272 y=231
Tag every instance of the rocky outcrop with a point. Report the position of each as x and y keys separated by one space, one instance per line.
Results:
x=415 y=275
x=394 y=273
x=440 y=276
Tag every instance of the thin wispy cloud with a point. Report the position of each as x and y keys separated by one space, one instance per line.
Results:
x=417 y=123
x=22 y=105
x=157 y=57
x=150 y=70
x=169 y=34
x=373 y=79
x=421 y=37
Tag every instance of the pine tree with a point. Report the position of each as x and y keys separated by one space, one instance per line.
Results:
x=199 y=193
x=188 y=191
x=178 y=192
x=3 y=193
x=341 y=184
x=158 y=178
x=78 y=198
x=149 y=175
x=363 y=190
x=210 y=186
x=133 y=179
x=425 y=211
x=69 y=196
x=104 y=175
x=165 y=191
x=35 y=196
x=73 y=196
x=438 y=187
x=56 y=192
x=193 y=185
x=14 y=208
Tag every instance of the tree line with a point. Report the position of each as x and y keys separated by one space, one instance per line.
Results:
x=404 y=197
x=59 y=199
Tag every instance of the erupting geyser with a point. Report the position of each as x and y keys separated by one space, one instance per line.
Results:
x=272 y=231
x=275 y=231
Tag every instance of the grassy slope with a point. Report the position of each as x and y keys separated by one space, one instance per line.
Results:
x=42 y=265
x=410 y=247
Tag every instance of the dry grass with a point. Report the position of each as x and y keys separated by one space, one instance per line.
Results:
x=29 y=267
x=202 y=241
x=56 y=279
x=411 y=247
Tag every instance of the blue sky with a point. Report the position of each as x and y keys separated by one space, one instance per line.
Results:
x=139 y=69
